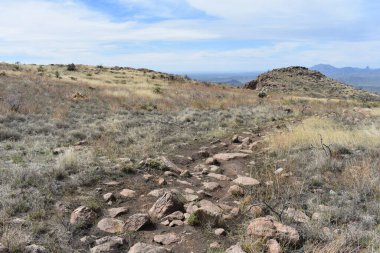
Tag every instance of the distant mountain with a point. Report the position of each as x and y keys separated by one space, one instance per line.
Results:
x=365 y=78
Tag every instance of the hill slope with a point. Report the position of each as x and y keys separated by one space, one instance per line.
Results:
x=305 y=81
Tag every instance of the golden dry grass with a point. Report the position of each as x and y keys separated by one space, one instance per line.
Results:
x=310 y=131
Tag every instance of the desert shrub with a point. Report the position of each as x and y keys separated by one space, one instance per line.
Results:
x=71 y=67
x=57 y=75
x=68 y=161
x=157 y=89
x=8 y=134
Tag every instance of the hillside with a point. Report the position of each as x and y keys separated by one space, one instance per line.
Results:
x=114 y=159
x=305 y=81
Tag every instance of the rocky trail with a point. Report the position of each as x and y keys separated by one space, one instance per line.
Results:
x=189 y=202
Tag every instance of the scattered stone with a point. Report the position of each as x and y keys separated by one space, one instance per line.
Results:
x=219 y=177
x=189 y=191
x=136 y=222
x=127 y=193
x=176 y=223
x=147 y=248
x=211 y=186
x=229 y=156
x=246 y=181
x=114 y=212
x=111 y=225
x=170 y=174
x=220 y=231
x=108 y=197
x=235 y=249
x=165 y=205
x=166 y=239
x=273 y=246
x=83 y=215
x=269 y=228
x=236 y=190
x=35 y=249
x=107 y=244
x=296 y=215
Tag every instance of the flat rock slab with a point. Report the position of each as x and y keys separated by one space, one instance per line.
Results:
x=229 y=156
x=111 y=225
x=166 y=239
x=246 y=181
x=114 y=212
x=136 y=222
x=147 y=248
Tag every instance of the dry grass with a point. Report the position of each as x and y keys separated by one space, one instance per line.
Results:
x=311 y=130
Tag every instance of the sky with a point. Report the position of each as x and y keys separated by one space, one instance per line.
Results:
x=188 y=36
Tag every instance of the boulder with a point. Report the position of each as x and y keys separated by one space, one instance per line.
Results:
x=136 y=222
x=166 y=239
x=147 y=248
x=165 y=205
x=83 y=216
x=111 y=225
x=127 y=193
x=268 y=228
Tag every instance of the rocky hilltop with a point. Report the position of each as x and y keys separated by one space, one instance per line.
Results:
x=308 y=82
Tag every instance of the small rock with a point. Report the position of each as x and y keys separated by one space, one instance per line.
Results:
x=114 y=212
x=87 y=240
x=166 y=239
x=127 y=193
x=147 y=248
x=296 y=215
x=176 y=223
x=236 y=190
x=165 y=223
x=170 y=174
x=235 y=249
x=215 y=169
x=108 y=197
x=189 y=191
x=208 y=213
x=35 y=249
x=273 y=246
x=111 y=225
x=107 y=244
x=200 y=155
x=220 y=231
x=112 y=183
x=236 y=139
x=246 y=181
x=191 y=197
x=185 y=173
x=184 y=182
x=235 y=211
x=279 y=171
x=178 y=215
x=162 y=181
x=136 y=222
x=165 y=205
x=83 y=215
x=147 y=177
x=211 y=186
x=158 y=192
x=269 y=183
x=256 y=211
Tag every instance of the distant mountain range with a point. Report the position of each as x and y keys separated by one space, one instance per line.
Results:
x=365 y=78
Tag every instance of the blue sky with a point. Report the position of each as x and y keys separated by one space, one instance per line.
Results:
x=192 y=35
